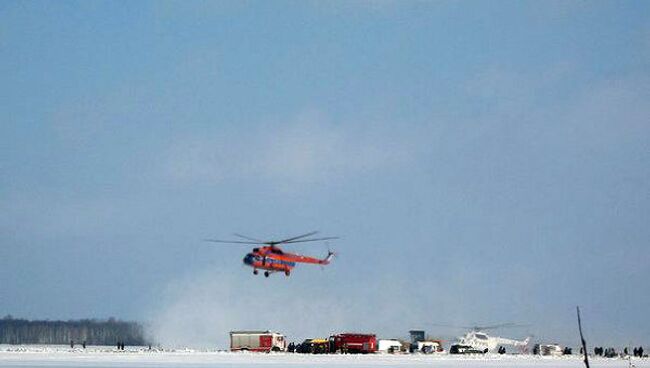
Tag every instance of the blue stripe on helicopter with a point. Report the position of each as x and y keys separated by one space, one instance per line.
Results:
x=279 y=261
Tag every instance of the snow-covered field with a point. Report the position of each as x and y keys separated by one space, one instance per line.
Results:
x=58 y=356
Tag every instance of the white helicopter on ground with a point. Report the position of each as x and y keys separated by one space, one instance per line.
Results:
x=477 y=340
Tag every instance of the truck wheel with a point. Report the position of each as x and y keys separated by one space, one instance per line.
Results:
x=266 y=273
x=255 y=272
x=275 y=349
x=287 y=272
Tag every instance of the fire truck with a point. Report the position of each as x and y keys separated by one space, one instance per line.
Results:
x=354 y=343
x=263 y=341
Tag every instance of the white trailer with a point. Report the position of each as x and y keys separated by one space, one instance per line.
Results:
x=264 y=341
x=389 y=346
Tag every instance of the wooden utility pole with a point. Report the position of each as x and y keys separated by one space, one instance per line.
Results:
x=582 y=339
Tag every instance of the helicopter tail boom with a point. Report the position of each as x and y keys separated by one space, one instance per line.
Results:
x=326 y=260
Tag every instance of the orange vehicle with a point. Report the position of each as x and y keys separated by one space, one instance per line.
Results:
x=271 y=258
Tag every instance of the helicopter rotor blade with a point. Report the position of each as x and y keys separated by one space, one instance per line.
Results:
x=230 y=241
x=272 y=243
x=295 y=238
x=503 y=325
x=451 y=326
x=492 y=327
x=249 y=238
x=476 y=327
x=310 y=240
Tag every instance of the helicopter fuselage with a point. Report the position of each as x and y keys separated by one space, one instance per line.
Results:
x=482 y=341
x=273 y=259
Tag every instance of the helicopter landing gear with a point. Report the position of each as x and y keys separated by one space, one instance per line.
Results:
x=266 y=273
x=255 y=272
x=287 y=272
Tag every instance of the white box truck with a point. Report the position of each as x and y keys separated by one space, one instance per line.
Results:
x=264 y=341
x=389 y=346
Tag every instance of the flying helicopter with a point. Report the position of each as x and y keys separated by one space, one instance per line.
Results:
x=478 y=339
x=270 y=258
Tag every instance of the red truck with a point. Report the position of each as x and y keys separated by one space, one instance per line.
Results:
x=354 y=343
x=265 y=341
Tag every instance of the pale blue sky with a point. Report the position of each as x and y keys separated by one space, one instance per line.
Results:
x=484 y=162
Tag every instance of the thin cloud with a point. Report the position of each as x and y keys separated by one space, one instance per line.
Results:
x=307 y=150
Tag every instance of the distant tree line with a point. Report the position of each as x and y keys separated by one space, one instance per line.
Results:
x=93 y=332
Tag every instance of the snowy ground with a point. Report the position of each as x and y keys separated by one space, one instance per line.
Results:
x=40 y=356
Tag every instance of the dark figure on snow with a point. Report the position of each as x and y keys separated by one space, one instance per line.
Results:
x=83 y=344
x=71 y=344
x=640 y=351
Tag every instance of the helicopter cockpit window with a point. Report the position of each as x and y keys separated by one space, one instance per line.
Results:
x=256 y=249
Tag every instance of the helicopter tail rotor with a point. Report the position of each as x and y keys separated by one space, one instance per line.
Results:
x=328 y=258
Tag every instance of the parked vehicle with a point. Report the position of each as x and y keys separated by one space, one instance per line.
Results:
x=465 y=349
x=354 y=343
x=264 y=341
x=314 y=346
x=430 y=346
x=549 y=350
x=389 y=346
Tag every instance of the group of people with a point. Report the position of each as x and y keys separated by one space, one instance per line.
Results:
x=611 y=352
x=605 y=352
x=638 y=352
